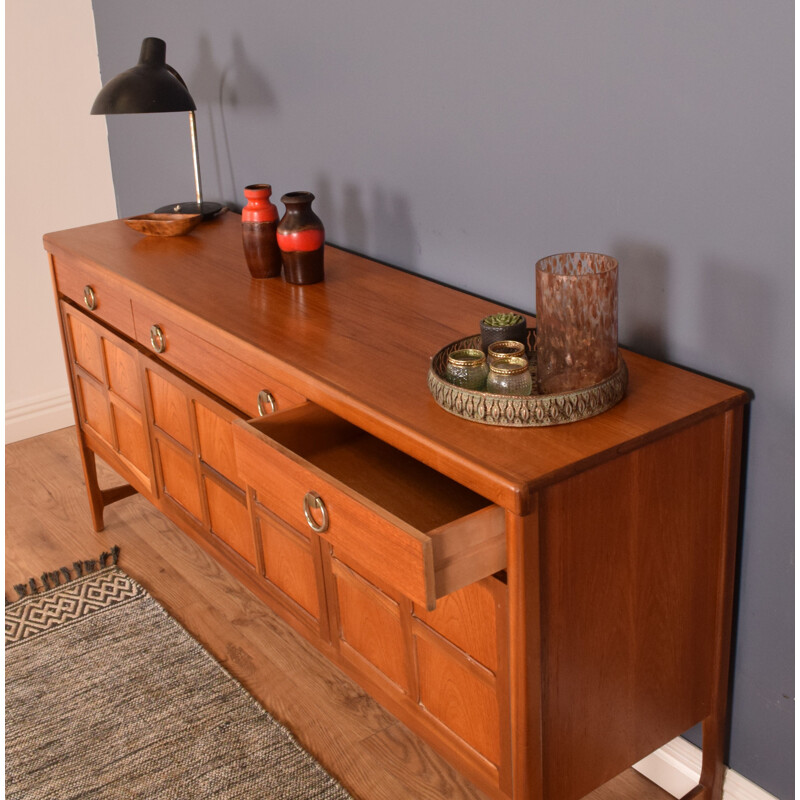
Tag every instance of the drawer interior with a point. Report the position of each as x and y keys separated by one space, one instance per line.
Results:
x=398 y=483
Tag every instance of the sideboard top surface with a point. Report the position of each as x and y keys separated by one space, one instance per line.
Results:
x=360 y=344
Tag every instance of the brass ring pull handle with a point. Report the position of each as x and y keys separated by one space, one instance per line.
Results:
x=157 y=339
x=313 y=499
x=89 y=298
x=265 y=399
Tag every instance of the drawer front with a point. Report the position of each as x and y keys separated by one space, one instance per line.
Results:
x=422 y=564
x=92 y=290
x=399 y=554
x=242 y=385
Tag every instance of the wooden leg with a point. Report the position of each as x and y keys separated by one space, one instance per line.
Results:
x=715 y=727
x=98 y=498
x=712 y=775
x=93 y=489
x=713 y=770
x=87 y=455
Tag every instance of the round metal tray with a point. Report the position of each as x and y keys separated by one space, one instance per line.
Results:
x=537 y=410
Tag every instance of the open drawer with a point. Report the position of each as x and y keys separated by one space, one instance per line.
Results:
x=410 y=526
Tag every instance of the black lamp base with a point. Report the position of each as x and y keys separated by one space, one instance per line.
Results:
x=208 y=210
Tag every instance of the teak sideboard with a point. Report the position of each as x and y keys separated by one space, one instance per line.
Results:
x=545 y=606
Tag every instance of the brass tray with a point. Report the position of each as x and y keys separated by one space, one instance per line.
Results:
x=538 y=410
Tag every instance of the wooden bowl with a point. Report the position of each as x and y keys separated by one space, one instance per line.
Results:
x=164 y=224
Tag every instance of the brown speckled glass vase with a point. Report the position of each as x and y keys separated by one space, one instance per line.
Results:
x=259 y=232
x=301 y=238
x=576 y=320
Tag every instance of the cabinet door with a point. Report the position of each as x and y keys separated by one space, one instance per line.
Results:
x=195 y=466
x=370 y=623
x=391 y=535
x=106 y=376
x=291 y=571
x=461 y=651
x=448 y=667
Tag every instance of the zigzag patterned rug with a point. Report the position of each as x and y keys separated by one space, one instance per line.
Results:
x=108 y=697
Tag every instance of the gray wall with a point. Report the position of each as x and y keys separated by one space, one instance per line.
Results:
x=464 y=140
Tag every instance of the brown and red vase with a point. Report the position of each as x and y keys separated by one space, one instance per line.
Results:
x=259 y=232
x=301 y=238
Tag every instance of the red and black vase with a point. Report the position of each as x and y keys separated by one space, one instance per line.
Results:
x=301 y=238
x=259 y=232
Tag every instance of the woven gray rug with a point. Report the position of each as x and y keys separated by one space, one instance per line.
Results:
x=108 y=697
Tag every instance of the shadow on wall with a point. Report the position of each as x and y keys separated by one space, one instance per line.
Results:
x=236 y=85
x=643 y=313
x=739 y=312
x=354 y=219
x=386 y=233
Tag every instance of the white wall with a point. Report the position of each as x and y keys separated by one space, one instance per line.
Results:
x=58 y=175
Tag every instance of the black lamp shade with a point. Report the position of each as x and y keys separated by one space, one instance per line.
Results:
x=151 y=86
x=154 y=86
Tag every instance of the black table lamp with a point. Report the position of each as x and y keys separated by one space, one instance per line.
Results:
x=154 y=86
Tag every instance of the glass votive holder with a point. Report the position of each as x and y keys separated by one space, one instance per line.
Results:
x=505 y=349
x=510 y=376
x=576 y=320
x=467 y=369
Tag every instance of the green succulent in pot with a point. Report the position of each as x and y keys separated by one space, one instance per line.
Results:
x=507 y=325
x=501 y=320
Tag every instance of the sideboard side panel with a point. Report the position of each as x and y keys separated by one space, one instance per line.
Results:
x=630 y=565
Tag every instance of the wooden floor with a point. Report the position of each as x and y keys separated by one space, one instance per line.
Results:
x=368 y=750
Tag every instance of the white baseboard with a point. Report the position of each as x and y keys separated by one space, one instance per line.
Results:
x=38 y=415
x=676 y=769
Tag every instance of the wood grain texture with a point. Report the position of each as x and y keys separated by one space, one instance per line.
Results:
x=602 y=654
x=236 y=381
x=215 y=441
x=179 y=476
x=468 y=618
x=715 y=726
x=376 y=757
x=93 y=408
x=164 y=224
x=229 y=517
x=525 y=650
x=631 y=553
x=289 y=565
x=132 y=440
x=107 y=391
x=457 y=697
x=170 y=407
x=84 y=342
x=123 y=373
x=364 y=612
x=469 y=549
x=433 y=541
x=369 y=627
x=368 y=314
x=73 y=275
